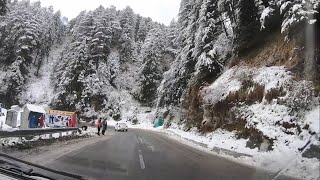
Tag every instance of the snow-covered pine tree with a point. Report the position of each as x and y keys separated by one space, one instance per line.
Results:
x=208 y=67
x=127 y=22
x=296 y=13
x=25 y=40
x=154 y=58
x=101 y=37
x=149 y=80
x=177 y=78
x=99 y=63
x=248 y=26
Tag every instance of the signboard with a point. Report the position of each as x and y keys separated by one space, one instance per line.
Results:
x=56 y=118
x=61 y=113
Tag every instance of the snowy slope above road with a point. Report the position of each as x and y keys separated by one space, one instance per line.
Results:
x=40 y=88
x=265 y=112
x=269 y=99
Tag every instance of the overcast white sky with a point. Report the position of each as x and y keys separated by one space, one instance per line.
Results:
x=159 y=10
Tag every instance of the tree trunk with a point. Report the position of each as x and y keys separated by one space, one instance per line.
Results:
x=265 y=3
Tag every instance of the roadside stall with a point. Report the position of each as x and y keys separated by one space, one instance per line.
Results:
x=13 y=116
x=31 y=115
x=57 y=118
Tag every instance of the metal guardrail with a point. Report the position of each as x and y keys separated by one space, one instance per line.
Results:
x=35 y=132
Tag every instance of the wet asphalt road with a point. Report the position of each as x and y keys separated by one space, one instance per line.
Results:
x=144 y=155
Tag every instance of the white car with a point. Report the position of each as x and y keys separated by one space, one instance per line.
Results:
x=121 y=127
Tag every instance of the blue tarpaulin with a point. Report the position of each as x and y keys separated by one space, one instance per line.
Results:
x=34 y=119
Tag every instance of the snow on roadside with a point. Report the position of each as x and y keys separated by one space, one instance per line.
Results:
x=225 y=144
x=287 y=117
x=313 y=119
x=11 y=141
x=219 y=138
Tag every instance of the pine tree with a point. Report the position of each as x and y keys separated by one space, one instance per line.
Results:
x=248 y=26
x=149 y=80
x=155 y=51
x=25 y=40
x=210 y=28
x=127 y=23
x=3 y=7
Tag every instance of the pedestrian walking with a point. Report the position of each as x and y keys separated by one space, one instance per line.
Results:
x=104 y=126
x=99 y=124
x=69 y=122
x=41 y=121
x=51 y=117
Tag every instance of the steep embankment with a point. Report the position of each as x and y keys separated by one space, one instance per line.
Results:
x=260 y=106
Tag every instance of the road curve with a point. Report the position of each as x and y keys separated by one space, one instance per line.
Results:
x=144 y=155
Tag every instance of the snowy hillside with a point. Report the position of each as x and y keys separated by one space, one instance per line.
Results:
x=40 y=89
x=27 y=33
x=238 y=75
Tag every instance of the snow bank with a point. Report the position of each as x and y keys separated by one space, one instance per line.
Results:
x=11 y=141
x=35 y=108
x=313 y=119
x=264 y=117
x=224 y=85
x=271 y=77
x=217 y=139
x=288 y=160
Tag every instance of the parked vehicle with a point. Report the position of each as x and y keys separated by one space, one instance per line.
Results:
x=121 y=127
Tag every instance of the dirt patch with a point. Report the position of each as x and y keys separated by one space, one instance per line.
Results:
x=274 y=51
x=192 y=103
x=274 y=94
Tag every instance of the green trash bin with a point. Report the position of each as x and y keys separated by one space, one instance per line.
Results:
x=158 y=122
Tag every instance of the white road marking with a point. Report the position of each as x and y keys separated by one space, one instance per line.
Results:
x=142 y=165
x=141 y=140
x=151 y=147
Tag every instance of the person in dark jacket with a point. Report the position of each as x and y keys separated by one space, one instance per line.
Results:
x=104 y=126
x=99 y=124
